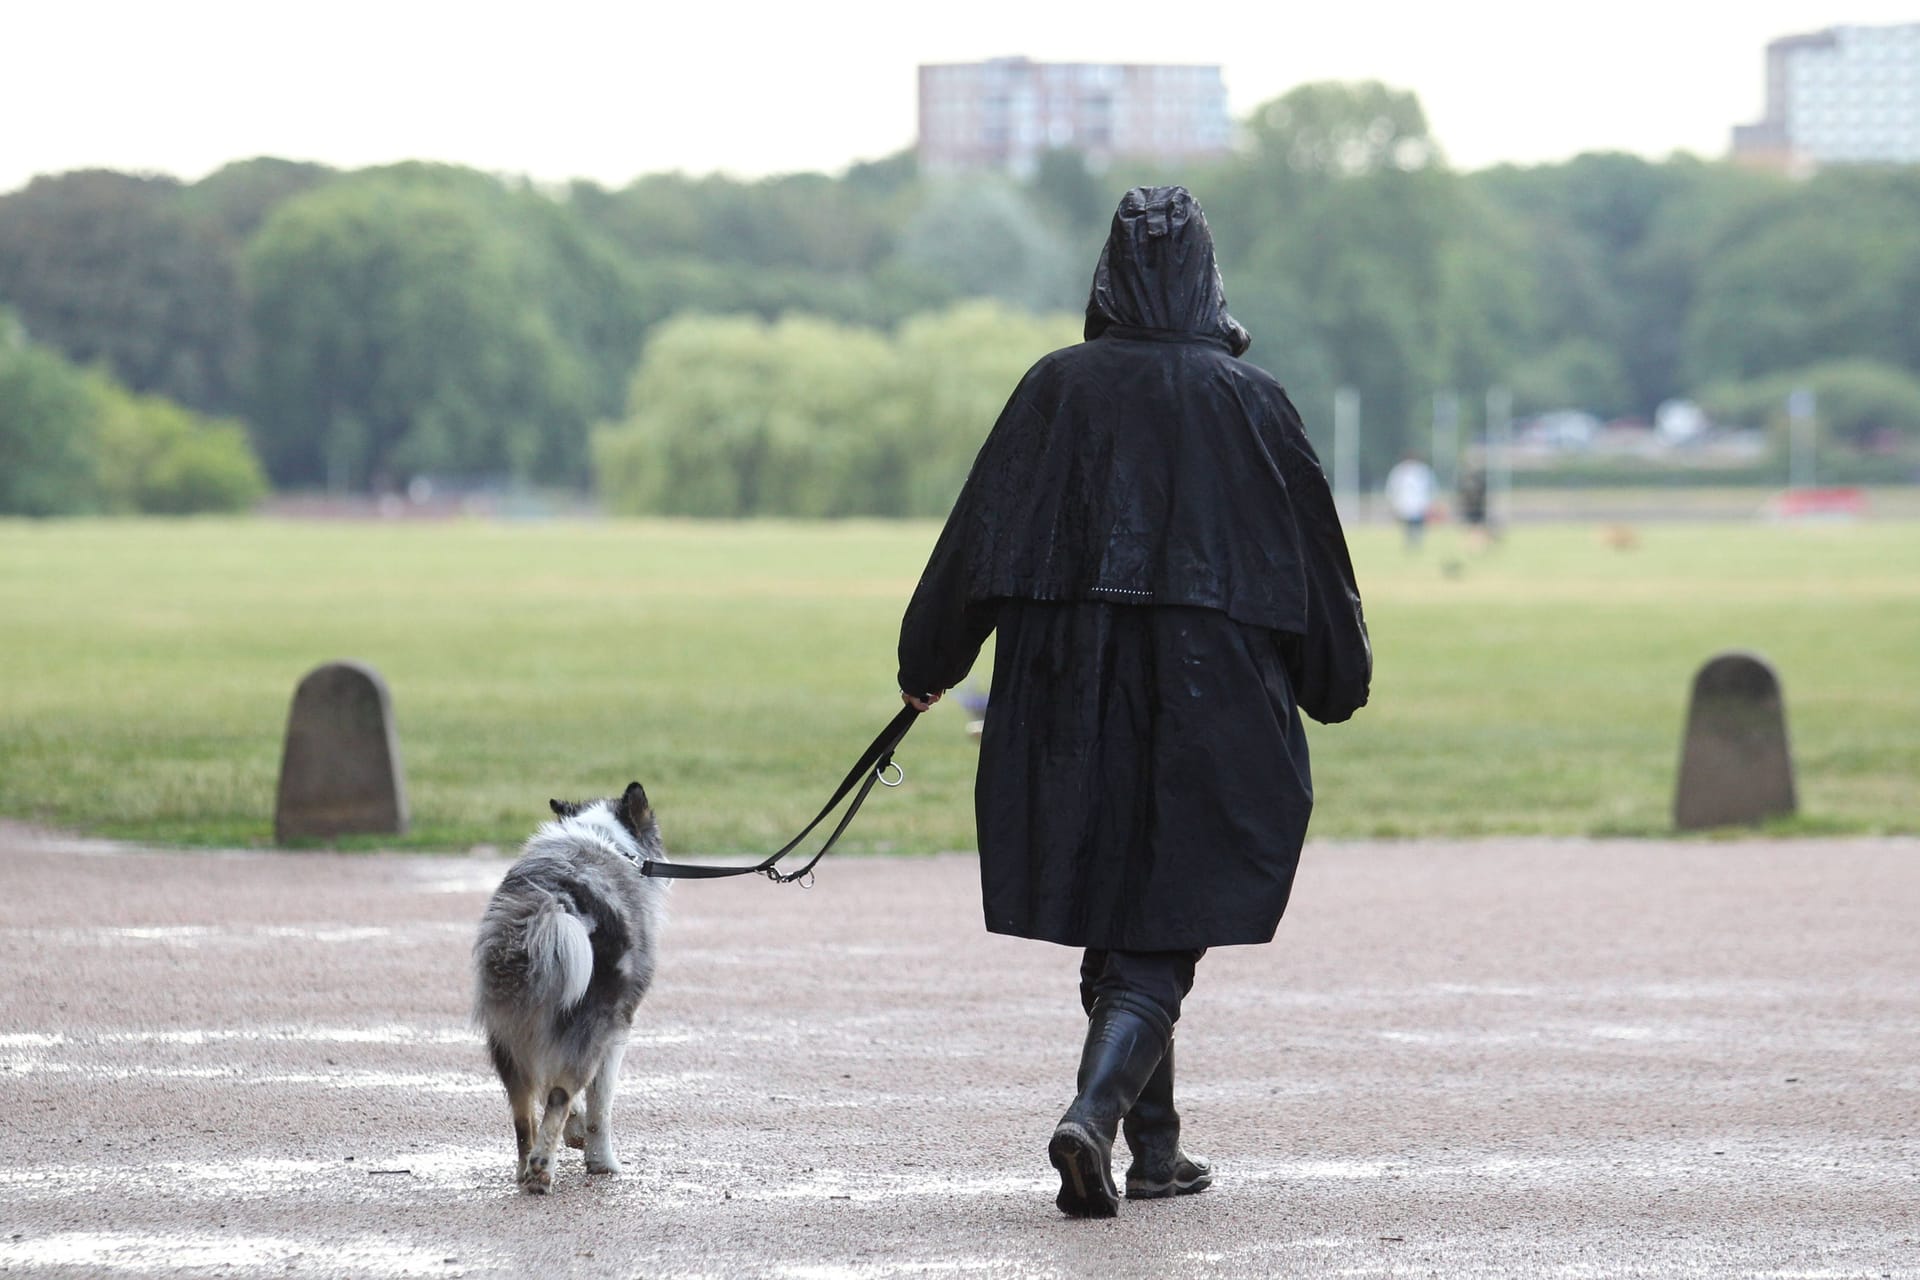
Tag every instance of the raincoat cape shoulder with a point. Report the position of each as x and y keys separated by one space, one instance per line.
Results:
x=1150 y=465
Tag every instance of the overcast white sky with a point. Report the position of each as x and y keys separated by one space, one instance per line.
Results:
x=571 y=88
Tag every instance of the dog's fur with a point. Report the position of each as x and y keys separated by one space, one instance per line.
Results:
x=564 y=956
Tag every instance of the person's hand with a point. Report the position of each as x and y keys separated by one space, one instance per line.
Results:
x=920 y=701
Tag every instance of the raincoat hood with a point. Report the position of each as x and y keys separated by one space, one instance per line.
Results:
x=1157 y=272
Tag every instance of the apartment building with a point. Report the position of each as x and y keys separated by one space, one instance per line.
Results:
x=1005 y=113
x=1846 y=95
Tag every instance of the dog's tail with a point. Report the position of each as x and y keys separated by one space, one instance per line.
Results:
x=559 y=955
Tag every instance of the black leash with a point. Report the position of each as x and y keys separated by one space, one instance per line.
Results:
x=872 y=766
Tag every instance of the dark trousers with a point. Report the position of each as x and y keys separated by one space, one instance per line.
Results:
x=1164 y=977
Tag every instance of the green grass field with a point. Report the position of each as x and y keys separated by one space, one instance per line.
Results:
x=737 y=668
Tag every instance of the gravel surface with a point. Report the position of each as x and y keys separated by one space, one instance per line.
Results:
x=1512 y=1058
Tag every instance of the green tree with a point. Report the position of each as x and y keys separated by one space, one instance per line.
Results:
x=668 y=287
x=884 y=179
x=956 y=369
x=1825 y=271
x=804 y=221
x=1270 y=300
x=1333 y=130
x=114 y=269
x=1334 y=229
x=236 y=199
x=402 y=327
x=1578 y=373
x=1078 y=199
x=46 y=432
x=984 y=239
x=735 y=416
x=1488 y=303
x=1614 y=246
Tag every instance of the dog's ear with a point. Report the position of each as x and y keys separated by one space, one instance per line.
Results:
x=561 y=809
x=634 y=808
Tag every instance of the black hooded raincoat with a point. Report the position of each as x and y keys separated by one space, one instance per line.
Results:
x=1152 y=537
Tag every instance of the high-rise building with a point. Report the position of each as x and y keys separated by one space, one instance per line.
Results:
x=1846 y=95
x=1005 y=113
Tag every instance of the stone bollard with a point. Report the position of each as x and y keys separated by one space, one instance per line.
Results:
x=1735 y=766
x=340 y=773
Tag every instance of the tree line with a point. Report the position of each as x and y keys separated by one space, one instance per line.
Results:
x=839 y=344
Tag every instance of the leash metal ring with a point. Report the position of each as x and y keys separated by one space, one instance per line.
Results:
x=899 y=774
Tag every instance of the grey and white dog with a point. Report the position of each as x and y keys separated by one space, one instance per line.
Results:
x=564 y=956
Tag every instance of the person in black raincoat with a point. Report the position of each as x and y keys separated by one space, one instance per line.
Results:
x=1150 y=534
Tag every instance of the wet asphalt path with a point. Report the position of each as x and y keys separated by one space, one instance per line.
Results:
x=1507 y=1058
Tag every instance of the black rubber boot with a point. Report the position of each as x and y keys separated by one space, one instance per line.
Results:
x=1126 y=1038
x=1160 y=1168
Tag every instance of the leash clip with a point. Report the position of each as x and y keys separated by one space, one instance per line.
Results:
x=803 y=878
x=899 y=774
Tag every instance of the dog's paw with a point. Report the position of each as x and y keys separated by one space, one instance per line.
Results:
x=605 y=1163
x=576 y=1130
x=537 y=1178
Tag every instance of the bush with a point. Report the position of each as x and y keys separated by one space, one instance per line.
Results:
x=156 y=458
x=74 y=442
x=1863 y=403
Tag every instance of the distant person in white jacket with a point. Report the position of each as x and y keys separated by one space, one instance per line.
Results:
x=1410 y=496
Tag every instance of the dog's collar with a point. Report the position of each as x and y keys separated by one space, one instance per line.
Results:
x=620 y=850
x=618 y=844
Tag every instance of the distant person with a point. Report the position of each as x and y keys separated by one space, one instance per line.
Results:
x=1410 y=488
x=1152 y=537
x=1473 y=504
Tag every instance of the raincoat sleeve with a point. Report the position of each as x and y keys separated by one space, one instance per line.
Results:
x=945 y=622
x=942 y=632
x=1331 y=666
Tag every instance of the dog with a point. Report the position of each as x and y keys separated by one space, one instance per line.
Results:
x=565 y=954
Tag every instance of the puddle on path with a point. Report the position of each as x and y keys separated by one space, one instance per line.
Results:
x=891 y=1270
x=23 y=1065
x=98 y=1253
x=476 y=877
x=393 y=1033
x=261 y=1177
x=1566 y=1033
x=198 y=935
